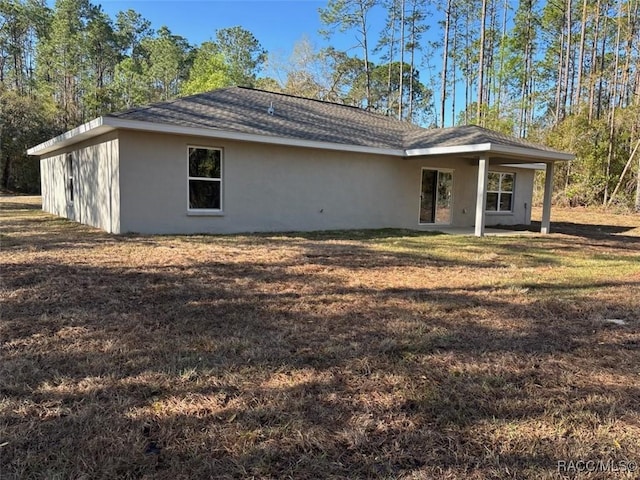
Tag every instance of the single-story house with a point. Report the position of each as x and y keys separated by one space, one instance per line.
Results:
x=244 y=160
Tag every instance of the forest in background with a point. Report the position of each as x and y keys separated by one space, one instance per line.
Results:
x=564 y=73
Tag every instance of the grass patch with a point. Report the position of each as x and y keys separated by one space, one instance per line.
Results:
x=367 y=354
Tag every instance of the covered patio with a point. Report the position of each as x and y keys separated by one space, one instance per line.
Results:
x=486 y=148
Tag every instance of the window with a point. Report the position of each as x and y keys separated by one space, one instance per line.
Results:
x=500 y=192
x=69 y=167
x=205 y=178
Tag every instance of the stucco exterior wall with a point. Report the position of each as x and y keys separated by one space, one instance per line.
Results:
x=96 y=192
x=279 y=188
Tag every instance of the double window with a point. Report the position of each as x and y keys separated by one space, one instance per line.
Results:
x=500 y=192
x=205 y=179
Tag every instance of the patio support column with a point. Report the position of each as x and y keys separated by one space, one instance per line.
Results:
x=481 y=198
x=546 y=204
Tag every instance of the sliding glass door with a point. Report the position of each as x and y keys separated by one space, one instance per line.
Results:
x=436 y=196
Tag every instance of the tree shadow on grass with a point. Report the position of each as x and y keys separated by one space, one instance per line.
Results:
x=588 y=231
x=286 y=368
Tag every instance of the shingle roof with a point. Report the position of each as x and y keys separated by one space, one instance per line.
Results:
x=243 y=114
x=245 y=110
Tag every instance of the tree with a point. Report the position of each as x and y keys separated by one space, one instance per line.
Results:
x=131 y=29
x=166 y=64
x=24 y=122
x=345 y=15
x=416 y=27
x=102 y=55
x=21 y=22
x=60 y=58
x=417 y=93
x=445 y=58
x=242 y=53
x=480 y=103
x=209 y=71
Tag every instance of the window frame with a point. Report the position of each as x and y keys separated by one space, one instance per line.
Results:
x=220 y=180
x=69 y=178
x=438 y=171
x=500 y=191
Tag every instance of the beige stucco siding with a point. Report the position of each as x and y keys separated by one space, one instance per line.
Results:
x=265 y=187
x=95 y=183
x=280 y=188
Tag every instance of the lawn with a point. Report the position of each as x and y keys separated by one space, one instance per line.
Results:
x=367 y=354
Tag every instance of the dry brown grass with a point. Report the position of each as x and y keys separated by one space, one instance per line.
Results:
x=382 y=354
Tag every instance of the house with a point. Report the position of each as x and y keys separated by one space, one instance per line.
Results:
x=244 y=160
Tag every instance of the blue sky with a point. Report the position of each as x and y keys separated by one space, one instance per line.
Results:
x=277 y=24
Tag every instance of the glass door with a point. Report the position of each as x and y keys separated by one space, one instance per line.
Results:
x=436 y=196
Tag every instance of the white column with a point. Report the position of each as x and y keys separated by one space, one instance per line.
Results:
x=546 y=205
x=481 y=198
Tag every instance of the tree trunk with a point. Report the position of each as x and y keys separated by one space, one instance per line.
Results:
x=624 y=172
x=445 y=57
x=401 y=84
x=365 y=51
x=567 y=62
x=594 y=58
x=637 y=206
x=612 y=114
x=391 y=55
x=503 y=38
x=483 y=15
x=578 y=92
x=414 y=16
x=454 y=80
x=467 y=63
x=560 y=82
x=601 y=71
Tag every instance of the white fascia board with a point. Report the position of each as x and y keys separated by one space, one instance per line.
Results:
x=478 y=148
x=526 y=166
x=246 y=137
x=87 y=130
x=491 y=148
x=532 y=152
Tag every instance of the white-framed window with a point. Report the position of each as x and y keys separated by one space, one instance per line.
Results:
x=500 y=191
x=205 y=179
x=69 y=182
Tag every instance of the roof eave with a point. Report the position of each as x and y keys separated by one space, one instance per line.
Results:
x=102 y=125
x=91 y=129
x=493 y=149
x=105 y=124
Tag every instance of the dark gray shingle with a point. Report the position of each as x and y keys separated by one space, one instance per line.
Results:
x=245 y=110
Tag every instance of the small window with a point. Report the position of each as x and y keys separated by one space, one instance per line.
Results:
x=500 y=192
x=205 y=178
x=69 y=186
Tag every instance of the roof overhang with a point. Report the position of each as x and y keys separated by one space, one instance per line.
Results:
x=102 y=125
x=492 y=150
x=83 y=132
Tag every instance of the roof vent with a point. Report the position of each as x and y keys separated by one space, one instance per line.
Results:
x=271 y=110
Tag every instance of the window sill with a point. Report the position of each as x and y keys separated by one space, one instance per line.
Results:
x=205 y=213
x=493 y=212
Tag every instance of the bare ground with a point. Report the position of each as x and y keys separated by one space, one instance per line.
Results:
x=367 y=354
